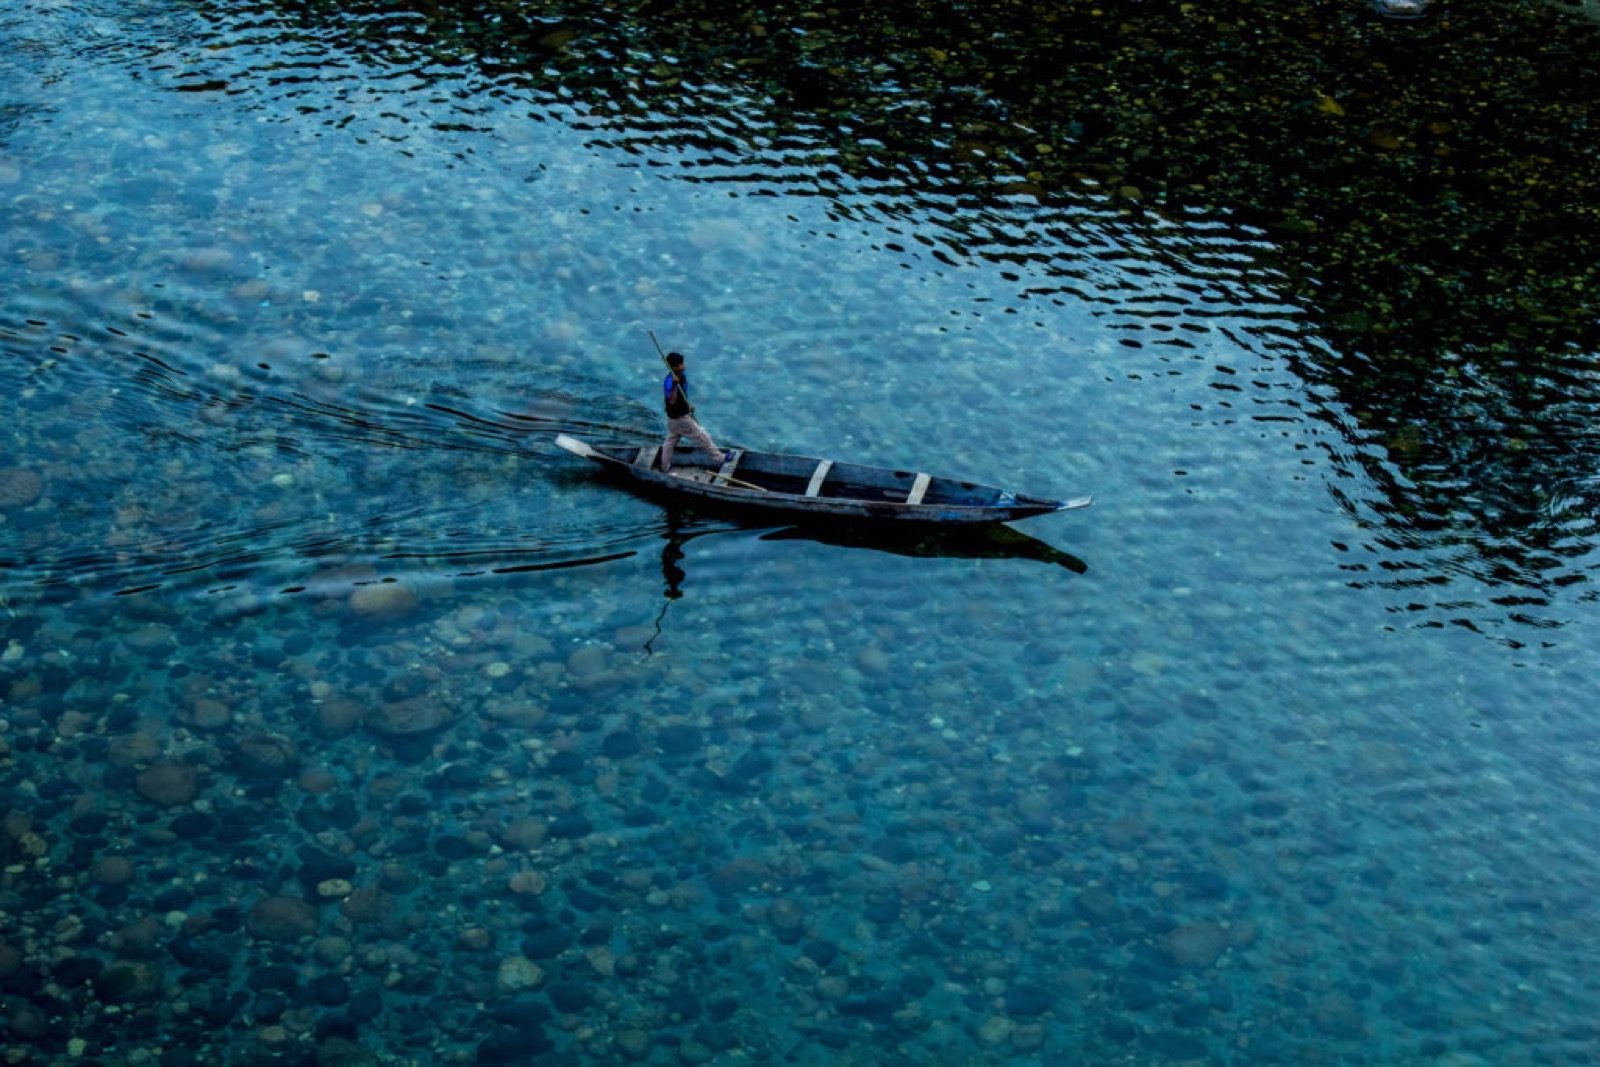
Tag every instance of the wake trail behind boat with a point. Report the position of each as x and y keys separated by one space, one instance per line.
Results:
x=169 y=473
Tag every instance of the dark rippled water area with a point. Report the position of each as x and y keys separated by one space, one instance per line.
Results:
x=347 y=721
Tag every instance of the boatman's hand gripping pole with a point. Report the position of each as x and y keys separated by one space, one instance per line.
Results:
x=662 y=353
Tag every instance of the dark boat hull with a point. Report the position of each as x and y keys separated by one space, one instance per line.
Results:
x=808 y=487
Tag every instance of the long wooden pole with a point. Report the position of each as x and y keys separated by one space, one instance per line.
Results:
x=735 y=481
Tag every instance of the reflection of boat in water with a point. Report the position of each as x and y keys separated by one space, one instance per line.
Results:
x=928 y=542
x=807 y=488
x=985 y=542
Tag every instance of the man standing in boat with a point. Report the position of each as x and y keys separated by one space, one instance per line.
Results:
x=680 y=415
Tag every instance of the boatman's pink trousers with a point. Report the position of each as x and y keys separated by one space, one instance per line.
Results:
x=687 y=427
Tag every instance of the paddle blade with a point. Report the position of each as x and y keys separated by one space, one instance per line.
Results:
x=576 y=447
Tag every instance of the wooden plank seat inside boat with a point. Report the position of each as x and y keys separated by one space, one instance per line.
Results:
x=818 y=476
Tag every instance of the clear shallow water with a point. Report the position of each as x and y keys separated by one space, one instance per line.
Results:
x=301 y=605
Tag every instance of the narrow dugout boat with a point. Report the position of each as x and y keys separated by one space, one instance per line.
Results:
x=804 y=486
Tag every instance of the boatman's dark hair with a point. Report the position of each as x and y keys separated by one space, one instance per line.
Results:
x=674 y=359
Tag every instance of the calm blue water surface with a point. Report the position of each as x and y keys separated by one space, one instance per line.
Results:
x=426 y=746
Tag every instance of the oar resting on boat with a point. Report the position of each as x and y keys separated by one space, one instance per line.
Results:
x=731 y=480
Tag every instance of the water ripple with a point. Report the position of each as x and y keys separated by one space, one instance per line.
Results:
x=1470 y=463
x=221 y=478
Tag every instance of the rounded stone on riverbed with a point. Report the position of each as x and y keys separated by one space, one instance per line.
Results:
x=367 y=904
x=208 y=714
x=167 y=785
x=786 y=915
x=331 y=951
x=995 y=1030
x=873 y=660
x=281 y=919
x=588 y=660
x=1027 y=1037
x=406 y=718
x=138 y=938
x=633 y=1043
x=19 y=487
x=112 y=870
x=692 y=1051
x=527 y=883
x=524 y=833
x=517 y=973
x=336 y=718
x=32 y=846
x=264 y=755
x=27 y=1022
x=318 y=781
x=152 y=639
x=383 y=600
x=1097 y=905
x=620 y=744
x=833 y=987
x=1195 y=945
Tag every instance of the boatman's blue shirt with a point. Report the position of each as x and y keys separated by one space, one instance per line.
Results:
x=676 y=394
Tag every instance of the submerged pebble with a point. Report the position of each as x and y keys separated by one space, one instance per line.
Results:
x=279 y=918
x=266 y=755
x=168 y=785
x=406 y=718
x=383 y=601
x=19 y=487
x=113 y=870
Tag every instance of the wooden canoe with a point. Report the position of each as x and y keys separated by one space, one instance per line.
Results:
x=804 y=486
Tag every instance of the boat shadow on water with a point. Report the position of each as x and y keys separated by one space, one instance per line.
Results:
x=981 y=542
x=984 y=542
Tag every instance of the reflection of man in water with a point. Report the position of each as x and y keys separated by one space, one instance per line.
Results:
x=671 y=553
x=680 y=415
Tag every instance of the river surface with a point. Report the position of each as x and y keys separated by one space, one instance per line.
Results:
x=346 y=720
